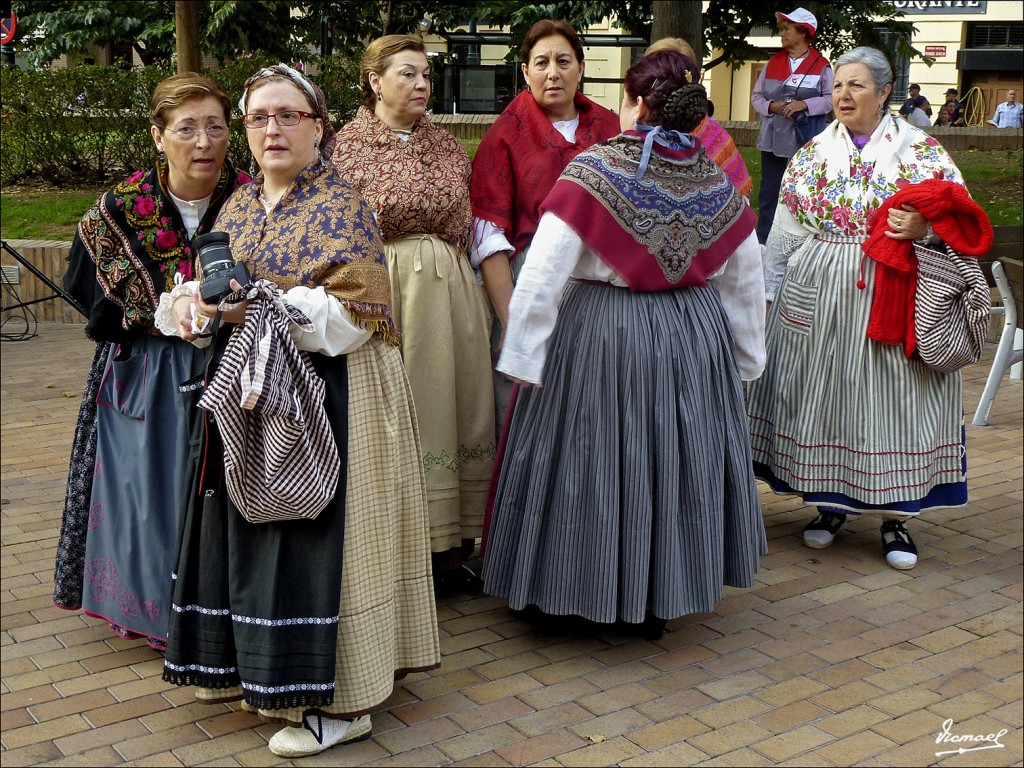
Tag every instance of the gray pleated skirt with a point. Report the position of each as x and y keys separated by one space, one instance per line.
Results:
x=627 y=486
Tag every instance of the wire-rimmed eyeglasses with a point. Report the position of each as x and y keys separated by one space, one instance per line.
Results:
x=189 y=132
x=291 y=117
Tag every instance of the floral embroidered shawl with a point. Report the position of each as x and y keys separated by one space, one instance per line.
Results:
x=831 y=187
x=671 y=228
x=130 y=247
x=320 y=233
x=416 y=186
x=519 y=160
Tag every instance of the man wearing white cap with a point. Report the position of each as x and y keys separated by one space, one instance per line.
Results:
x=794 y=86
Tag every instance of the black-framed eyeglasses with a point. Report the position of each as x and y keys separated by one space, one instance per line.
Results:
x=291 y=117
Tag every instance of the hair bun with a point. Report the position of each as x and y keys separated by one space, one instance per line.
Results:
x=685 y=107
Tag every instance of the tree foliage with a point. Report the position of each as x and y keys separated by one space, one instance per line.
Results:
x=290 y=29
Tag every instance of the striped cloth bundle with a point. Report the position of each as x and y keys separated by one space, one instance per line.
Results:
x=280 y=458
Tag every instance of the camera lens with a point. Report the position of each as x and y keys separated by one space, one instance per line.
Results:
x=217 y=264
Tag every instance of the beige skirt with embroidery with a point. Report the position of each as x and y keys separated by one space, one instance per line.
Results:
x=445 y=320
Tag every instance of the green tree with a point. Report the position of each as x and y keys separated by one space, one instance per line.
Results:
x=290 y=29
x=48 y=29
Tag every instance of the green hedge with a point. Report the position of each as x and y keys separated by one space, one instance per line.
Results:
x=91 y=123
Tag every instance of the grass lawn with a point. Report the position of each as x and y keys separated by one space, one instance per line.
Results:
x=45 y=212
x=994 y=179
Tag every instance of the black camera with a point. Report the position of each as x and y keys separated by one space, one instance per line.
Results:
x=219 y=266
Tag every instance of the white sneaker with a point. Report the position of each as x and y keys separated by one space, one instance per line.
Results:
x=317 y=734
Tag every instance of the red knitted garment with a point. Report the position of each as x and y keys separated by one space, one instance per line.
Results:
x=955 y=217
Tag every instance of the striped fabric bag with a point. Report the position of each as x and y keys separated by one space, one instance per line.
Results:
x=280 y=458
x=951 y=309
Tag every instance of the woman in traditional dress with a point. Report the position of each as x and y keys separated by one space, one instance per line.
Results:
x=415 y=175
x=519 y=160
x=718 y=144
x=310 y=622
x=627 y=490
x=131 y=252
x=796 y=83
x=852 y=425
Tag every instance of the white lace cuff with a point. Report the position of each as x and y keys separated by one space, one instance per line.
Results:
x=163 y=318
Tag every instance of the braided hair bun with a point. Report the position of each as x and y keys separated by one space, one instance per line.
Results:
x=685 y=107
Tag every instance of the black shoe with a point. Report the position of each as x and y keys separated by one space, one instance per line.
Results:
x=453 y=581
x=652 y=627
x=900 y=551
x=822 y=530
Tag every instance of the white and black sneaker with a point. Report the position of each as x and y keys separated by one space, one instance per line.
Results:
x=900 y=550
x=822 y=530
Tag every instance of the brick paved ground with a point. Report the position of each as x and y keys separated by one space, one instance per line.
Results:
x=833 y=659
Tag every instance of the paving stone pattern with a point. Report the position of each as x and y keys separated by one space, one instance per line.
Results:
x=831 y=659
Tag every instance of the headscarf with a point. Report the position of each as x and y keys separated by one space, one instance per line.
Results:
x=313 y=94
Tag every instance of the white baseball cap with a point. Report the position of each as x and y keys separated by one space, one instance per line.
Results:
x=801 y=16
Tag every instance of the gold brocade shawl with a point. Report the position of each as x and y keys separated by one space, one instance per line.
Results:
x=321 y=233
x=418 y=185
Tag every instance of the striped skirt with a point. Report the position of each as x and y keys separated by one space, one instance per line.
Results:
x=844 y=420
x=626 y=487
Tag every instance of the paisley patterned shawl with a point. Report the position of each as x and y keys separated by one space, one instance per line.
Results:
x=131 y=245
x=520 y=158
x=321 y=233
x=416 y=186
x=672 y=228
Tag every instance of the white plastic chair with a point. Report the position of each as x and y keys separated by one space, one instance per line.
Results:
x=1006 y=353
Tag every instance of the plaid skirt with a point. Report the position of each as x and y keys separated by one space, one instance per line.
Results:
x=318 y=615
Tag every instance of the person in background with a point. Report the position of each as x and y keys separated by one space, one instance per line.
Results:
x=130 y=253
x=853 y=425
x=915 y=101
x=518 y=161
x=716 y=140
x=627 y=491
x=309 y=622
x=1009 y=113
x=951 y=114
x=796 y=79
x=415 y=175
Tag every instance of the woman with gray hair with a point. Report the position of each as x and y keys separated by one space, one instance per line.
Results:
x=309 y=622
x=852 y=424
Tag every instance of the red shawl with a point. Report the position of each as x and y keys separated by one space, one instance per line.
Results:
x=520 y=158
x=961 y=223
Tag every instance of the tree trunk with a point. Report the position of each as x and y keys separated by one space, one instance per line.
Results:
x=679 y=18
x=186 y=33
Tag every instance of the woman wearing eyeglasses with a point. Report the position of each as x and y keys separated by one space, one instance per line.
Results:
x=310 y=622
x=128 y=259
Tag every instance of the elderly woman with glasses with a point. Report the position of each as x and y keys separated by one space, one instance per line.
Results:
x=309 y=622
x=128 y=261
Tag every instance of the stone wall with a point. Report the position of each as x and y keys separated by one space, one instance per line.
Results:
x=744 y=133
